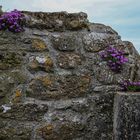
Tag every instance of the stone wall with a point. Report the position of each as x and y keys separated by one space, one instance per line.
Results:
x=54 y=85
x=127 y=116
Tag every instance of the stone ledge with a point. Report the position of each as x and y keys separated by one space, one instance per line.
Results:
x=128 y=93
x=57 y=21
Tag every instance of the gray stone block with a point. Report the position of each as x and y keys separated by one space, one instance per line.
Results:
x=127 y=116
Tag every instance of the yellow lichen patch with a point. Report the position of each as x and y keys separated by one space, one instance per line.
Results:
x=49 y=127
x=38 y=44
x=46 y=81
x=18 y=93
x=49 y=62
x=17 y=96
x=46 y=130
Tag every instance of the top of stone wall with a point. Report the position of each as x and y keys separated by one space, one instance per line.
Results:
x=56 y=21
x=63 y=21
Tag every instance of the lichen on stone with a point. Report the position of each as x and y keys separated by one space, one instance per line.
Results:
x=39 y=44
x=56 y=84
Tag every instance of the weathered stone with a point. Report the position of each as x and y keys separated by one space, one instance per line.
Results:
x=107 y=88
x=8 y=81
x=54 y=84
x=17 y=96
x=95 y=42
x=58 y=21
x=98 y=114
x=25 y=112
x=13 y=130
x=10 y=60
x=50 y=87
x=41 y=63
x=69 y=61
x=6 y=86
x=106 y=76
x=64 y=42
x=101 y=28
x=79 y=115
x=126 y=116
x=66 y=130
x=7 y=38
x=38 y=44
x=19 y=76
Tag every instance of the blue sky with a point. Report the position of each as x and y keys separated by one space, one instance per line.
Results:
x=121 y=15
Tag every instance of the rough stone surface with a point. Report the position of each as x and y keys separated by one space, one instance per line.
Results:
x=127 y=116
x=53 y=83
x=57 y=21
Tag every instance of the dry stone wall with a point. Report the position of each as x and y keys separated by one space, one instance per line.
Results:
x=126 y=116
x=53 y=83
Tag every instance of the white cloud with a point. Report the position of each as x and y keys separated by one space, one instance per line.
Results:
x=98 y=6
x=127 y=21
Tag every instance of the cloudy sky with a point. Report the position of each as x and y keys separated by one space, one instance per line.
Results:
x=121 y=15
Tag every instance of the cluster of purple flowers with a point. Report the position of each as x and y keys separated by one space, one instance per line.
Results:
x=130 y=86
x=115 y=58
x=13 y=21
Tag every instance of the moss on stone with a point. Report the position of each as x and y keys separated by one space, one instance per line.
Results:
x=9 y=60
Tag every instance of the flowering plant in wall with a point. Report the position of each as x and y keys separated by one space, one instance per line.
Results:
x=115 y=58
x=130 y=86
x=13 y=21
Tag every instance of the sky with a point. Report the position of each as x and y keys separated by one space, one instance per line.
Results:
x=121 y=15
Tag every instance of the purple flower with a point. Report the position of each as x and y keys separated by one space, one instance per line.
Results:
x=130 y=86
x=115 y=58
x=13 y=21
